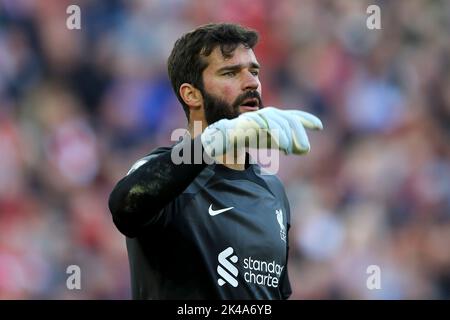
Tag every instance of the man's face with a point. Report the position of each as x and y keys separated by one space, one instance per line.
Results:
x=231 y=85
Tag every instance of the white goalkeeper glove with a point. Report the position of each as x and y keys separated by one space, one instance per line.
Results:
x=265 y=128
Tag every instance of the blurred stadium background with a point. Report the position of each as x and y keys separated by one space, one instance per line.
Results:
x=78 y=107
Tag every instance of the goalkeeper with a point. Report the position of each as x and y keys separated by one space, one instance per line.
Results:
x=217 y=229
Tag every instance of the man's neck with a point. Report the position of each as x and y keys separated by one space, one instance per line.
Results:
x=196 y=128
x=234 y=160
x=235 y=166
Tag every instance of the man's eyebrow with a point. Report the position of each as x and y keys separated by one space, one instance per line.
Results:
x=253 y=65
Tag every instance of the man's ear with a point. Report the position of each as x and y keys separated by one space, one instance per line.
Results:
x=191 y=96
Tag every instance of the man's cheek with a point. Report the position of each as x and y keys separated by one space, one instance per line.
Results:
x=228 y=95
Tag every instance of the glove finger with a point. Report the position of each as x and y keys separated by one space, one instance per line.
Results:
x=277 y=129
x=308 y=120
x=268 y=132
x=300 y=141
x=253 y=116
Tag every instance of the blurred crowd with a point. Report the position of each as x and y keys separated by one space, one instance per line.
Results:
x=79 y=107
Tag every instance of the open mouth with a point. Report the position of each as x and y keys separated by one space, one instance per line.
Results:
x=250 y=104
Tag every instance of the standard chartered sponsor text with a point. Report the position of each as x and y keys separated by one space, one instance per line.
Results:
x=262 y=272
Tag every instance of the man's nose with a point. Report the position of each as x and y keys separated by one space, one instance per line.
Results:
x=250 y=81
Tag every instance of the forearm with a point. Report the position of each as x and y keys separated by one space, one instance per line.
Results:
x=138 y=198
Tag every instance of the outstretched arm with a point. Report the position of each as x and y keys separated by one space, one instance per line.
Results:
x=153 y=182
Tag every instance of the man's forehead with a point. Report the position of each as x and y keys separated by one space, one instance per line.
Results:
x=241 y=55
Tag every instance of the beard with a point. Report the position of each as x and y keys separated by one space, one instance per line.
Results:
x=217 y=109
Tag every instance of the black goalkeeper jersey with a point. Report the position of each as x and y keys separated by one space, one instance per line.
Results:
x=224 y=237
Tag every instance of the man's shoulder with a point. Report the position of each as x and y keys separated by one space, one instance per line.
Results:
x=268 y=177
x=154 y=153
x=159 y=150
x=271 y=180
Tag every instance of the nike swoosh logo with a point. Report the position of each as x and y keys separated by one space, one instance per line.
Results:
x=216 y=212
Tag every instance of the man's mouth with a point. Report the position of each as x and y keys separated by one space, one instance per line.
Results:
x=249 y=105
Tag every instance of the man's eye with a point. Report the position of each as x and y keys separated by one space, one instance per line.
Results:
x=230 y=74
x=255 y=73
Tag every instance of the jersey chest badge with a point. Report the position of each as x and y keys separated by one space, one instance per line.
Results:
x=280 y=217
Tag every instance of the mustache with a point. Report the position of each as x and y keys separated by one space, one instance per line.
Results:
x=248 y=95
